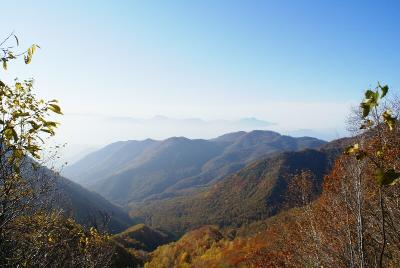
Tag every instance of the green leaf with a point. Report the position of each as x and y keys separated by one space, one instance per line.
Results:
x=51 y=132
x=4 y=64
x=34 y=125
x=10 y=55
x=355 y=150
x=352 y=149
x=388 y=177
x=20 y=114
x=33 y=149
x=8 y=133
x=389 y=120
x=55 y=108
x=15 y=135
x=18 y=153
x=369 y=94
x=18 y=85
x=370 y=101
x=384 y=90
x=50 y=124
x=365 y=109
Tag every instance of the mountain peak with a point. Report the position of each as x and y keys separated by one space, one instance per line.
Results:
x=230 y=136
x=176 y=139
x=259 y=133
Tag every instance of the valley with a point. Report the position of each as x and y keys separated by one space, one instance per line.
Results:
x=231 y=182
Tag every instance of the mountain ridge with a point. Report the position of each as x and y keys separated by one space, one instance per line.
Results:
x=135 y=171
x=254 y=193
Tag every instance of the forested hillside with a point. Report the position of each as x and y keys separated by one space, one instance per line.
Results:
x=134 y=171
x=254 y=193
x=353 y=222
x=86 y=207
x=89 y=208
x=142 y=237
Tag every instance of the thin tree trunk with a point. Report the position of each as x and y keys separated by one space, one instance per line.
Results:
x=360 y=225
x=383 y=227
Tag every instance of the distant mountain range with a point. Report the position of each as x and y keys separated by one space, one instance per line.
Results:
x=103 y=129
x=132 y=172
x=254 y=193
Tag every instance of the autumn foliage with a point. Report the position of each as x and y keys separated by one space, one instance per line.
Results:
x=355 y=222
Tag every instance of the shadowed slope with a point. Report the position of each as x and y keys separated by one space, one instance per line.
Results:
x=254 y=193
x=134 y=171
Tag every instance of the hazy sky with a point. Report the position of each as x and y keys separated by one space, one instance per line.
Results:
x=299 y=64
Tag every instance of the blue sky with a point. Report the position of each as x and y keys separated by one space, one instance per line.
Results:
x=299 y=64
